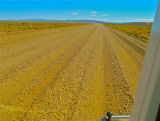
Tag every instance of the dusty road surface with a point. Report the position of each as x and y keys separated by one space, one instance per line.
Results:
x=74 y=74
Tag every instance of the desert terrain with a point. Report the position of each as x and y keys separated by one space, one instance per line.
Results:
x=70 y=73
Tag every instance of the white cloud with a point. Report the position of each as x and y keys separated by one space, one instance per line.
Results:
x=75 y=13
x=143 y=19
x=104 y=15
x=93 y=12
x=127 y=18
x=93 y=15
x=139 y=19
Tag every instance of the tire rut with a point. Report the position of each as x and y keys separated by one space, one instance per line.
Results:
x=121 y=84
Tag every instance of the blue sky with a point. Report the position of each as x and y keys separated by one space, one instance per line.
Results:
x=104 y=10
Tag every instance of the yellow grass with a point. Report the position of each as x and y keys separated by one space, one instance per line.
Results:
x=24 y=26
x=141 y=32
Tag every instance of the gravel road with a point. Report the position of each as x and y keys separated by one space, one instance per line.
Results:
x=72 y=74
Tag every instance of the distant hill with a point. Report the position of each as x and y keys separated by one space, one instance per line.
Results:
x=49 y=20
x=81 y=21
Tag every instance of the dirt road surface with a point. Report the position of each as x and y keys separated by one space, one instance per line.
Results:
x=74 y=74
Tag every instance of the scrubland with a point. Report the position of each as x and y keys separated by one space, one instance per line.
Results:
x=139 y=31
x=6 y=26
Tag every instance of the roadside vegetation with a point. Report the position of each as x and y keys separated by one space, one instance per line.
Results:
x=140 y=31
x=25 y=26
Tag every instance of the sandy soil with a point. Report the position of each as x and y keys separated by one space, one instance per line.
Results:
x=74 y=74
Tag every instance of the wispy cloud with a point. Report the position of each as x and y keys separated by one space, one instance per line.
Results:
x=75 y=13
x=93 y=15
x=139 y=19
x=93 y=12
x=143 y=19
x=127 y=18
x=104 y=15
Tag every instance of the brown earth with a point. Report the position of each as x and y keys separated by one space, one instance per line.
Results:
x=74 y=74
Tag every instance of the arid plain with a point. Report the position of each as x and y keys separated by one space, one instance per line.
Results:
x=70 y=73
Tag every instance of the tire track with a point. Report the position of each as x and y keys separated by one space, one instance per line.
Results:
x=21 y=63
x=68 y=86
x=129 y=59
x=51 y=58
x=136 y=46
x=25 y=47
x=122 y=87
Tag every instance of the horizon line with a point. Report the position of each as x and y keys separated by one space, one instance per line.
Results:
x=52 y=20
